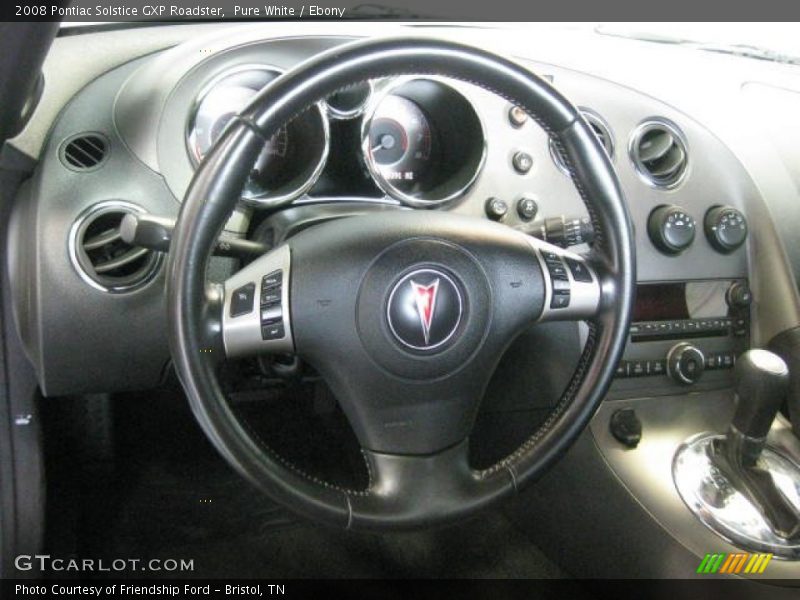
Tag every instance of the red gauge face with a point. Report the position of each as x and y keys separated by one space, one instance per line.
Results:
x=401 y=142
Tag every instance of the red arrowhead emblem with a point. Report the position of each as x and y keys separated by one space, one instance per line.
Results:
x=425 y=301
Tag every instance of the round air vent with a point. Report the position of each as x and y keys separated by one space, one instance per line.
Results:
x=84 y=152
x=658 y=152
x=100 y=255
x=601 y=130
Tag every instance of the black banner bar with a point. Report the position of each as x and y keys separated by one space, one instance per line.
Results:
x=397 y=10
x=109 y=588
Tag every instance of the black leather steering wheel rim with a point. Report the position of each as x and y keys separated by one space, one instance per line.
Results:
x=194 y=306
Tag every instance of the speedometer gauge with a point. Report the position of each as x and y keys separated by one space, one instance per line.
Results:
x=400 y=141
x=423 y=142
x=290 y=161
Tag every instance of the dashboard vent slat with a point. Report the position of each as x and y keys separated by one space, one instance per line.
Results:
x=84 y=152
x=107 y=237
x=658 y=152
x=102 y=257
x=120 y=262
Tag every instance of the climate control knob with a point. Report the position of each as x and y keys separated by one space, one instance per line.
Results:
x=685 y=363
x=725 y=227
x=671 y=229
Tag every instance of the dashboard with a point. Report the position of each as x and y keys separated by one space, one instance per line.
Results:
x=131 y=139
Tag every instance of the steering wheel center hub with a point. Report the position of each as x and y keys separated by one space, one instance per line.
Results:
x=424 y=309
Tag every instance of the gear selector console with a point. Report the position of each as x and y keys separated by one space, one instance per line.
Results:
x=735 y=483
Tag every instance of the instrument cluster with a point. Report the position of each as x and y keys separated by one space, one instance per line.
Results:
x=419 y=140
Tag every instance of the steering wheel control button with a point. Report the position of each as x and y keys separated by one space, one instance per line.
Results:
x=579 y=270
x=243 y=300
x=527 y=208
x=560 y=299
x=496 y=208
x=517 y=116
x=522 y=162
x=424 y=309
x=273 y=331
x=271 y=310
x=725 y=228
x=271 y=295
x=271 y=280
x=559 y=280
x=272 y=314
x=671 y=229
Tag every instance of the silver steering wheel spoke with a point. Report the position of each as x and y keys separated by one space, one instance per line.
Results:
x=255 y=313
x=572 y=285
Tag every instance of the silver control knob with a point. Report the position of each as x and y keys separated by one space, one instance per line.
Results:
x=685 y=363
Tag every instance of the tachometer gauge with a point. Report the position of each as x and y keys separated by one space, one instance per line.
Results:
x=291 y=160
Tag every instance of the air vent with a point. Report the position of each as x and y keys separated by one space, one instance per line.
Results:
x=84 y=152
x=100 y=255
x=658 y=152
x=601 y=130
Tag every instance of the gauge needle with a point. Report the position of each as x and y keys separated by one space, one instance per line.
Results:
x=387 y=142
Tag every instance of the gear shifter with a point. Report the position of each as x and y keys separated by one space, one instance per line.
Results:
x=744 y=489
x=762 y=379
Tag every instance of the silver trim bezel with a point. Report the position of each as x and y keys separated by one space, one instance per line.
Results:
x=72 y=246
x=585 y=296
x=633 y=152
x=260 y=200
x=241 y=335
x=343 y=115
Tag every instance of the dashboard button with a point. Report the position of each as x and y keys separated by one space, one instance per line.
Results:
x=517 y=116
x=243 y=299
x=622 y=369
x=527 y=208
x=638 y=368
x=522 y=162
x=496 y=208
x=656 y=367
x=738 y=295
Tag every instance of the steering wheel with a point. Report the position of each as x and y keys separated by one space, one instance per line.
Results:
x=405 y=317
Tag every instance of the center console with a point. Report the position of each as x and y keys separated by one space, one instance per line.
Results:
x=685 y=333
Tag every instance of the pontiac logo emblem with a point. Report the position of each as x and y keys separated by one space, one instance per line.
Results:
x=425 y=299
x=424 y=309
